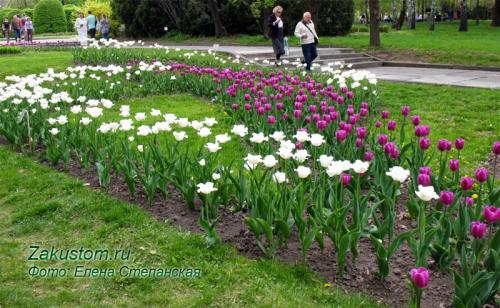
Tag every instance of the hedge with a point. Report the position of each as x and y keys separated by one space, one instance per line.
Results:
x=49 y=17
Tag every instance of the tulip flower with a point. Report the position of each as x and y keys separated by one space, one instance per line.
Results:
x=345 y=178
x=446 y=198
x=481 y=175
x=424 y=179
x=478 y=229
x=459 y=143
x=424 y=143
x=405 y=111
x=469 y=201
x=491 y=214
x=341 y=135
x=496 y=148
x=382 y=139
x=391 y=125
x=369 y=156
x=385 y=114
x=444 y=145
x=420 y=277
x=415 y=120
x=454 y=165
x=466 y=183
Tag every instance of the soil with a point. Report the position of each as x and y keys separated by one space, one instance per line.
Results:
x=359 y=276
x=401 y=55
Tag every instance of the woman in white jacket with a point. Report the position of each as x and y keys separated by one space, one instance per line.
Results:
x=308 y=39
x=81 y=28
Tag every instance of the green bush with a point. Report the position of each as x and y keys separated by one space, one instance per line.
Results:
x=29 y=12
x=8 y=50
x=49 y=17
x=9 y=12
x=73 y=2
x=99 y=8
x=71 y=12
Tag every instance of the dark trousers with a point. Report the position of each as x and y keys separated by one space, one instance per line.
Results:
x=91 y=33
x=310 y=53
x=18 y=34
x=29 y=35
x=105 y=35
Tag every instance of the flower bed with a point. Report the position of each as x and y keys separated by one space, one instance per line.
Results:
x=320 y=164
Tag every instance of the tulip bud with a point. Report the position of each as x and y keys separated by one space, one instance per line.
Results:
x=420 y=277
x=391 y=125
x=424 y=143
x=415 y=120
x=382 y=139
x=459 y=143
x=491 y=214
x=446 y=198
x=478 y=229
x=345 y=178
x=454 y=165
x=424 y=179
x=496 y=148
x=405 y=111
x=369 y=156
x=482 y=175
x=341 y=135
x=466 y=183
x=385 y=114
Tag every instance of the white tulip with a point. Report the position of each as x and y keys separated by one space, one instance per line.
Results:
x=210 y=122
x=212 y=147
x=216 y=176
x=140 y=116
x=179 y=136
x=258 y=138
x=202 y=162
x=54 y=131
x=240 y=130
x=302 y=136
x=140 y=148
x=252 y=161
x=360 y=167
x=398 y=174
x=278 y=136
x=325 y=160
x=204 y=132
x=279 y=177
x=303 y=171
x=206 y=188
x=317 y=140
x=426 y=193
x=85 y=121
x=269 y=161
x=223 y=138
x=301 y=156
x=144 y=130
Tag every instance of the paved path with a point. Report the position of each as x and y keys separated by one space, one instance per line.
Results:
x=452 y=77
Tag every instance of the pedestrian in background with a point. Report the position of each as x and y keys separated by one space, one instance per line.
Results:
x=81 y=28
x=16 y=27
x=276 y=33
x=91 y=25
x=6 y=29
x=105 y=27
x=28 y=29
x=308 y=39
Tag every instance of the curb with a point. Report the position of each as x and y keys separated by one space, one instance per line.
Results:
x=444 y=66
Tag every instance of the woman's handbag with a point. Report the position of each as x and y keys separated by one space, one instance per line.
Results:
x=316 y=40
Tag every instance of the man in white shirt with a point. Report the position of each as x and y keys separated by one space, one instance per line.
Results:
x=308 y=39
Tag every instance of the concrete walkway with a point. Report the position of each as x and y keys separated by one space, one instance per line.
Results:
x=451 y=77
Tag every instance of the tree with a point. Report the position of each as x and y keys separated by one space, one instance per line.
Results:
x=412 y=16
x=496 y=14
x=463 y=16
x=394 y=14
x=431 y=15
x=374 y=23
x=215 y=12
x=402 y=15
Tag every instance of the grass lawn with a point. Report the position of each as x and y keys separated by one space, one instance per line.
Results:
x=479 y=46
x=34 y=62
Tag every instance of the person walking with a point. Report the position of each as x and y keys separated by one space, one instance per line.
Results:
x=16 y=27
x=308 y=39
x=91 y=25
x=276 y=33
x=105 y=27
x=81 y=28
x=23 y=22
x=28 y=29
x=6 y=29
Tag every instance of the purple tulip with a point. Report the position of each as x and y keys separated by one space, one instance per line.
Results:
x=466 y=183
x=313 y=108
x=454 y=165
x=280 y=106
x=388 y=147
x=340 y=100
x=415 y=120
x=350 y=95
x=297 y=114
x=496 y=148
x=405 y=111
x=364 y=105
x=341 y=135
x=420 y=277
x=482 y=175
x=248 y=106
x=345 y=178
x=478 y=229
x=299 y=145
x=491 y=214
x=321 y=125
x=247 y=97
x=261 y=110
x=469 y=201
x=385 y=114
x=391 y=125
x=235 y=106
x=444 y=145
x=425 y=170
x=363 y=112
x=359 y=142
x=422 y=130
x=382 y=139
x=394 y=153
x=308 y=119
x=369 y=155
x=378 y=124
x=424 y=179
x=361 y=132
x=446 y=198
x=459 y=143
x=424 y=143
x=271 y=119
x=284 y=116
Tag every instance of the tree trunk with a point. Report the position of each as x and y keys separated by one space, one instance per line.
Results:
x=366 y=12
x=394 y=13
x=402 y=16
x=374 y=23
x=496 y=14
x=463 y=16
x=430 y=17
x=214 y=11
x=411 y=16
x=477 y=12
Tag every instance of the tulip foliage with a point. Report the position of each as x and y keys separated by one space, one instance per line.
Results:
x=322 y=162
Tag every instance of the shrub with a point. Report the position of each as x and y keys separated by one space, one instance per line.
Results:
x=9 y=12
x=8 y=50
x=28 y=12
x=71 y=12
x=49 y=17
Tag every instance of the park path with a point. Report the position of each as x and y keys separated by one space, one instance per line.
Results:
x=425 y=75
